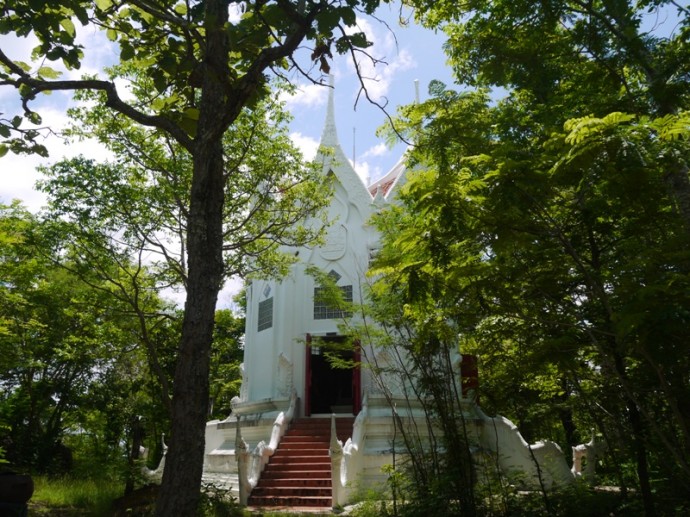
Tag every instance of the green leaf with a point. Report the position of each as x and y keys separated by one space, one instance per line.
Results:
x=192 y=113
x=24 y=90
x=111 y=34
x=3 y=150
x=359 y=40
x=159 y=79
x=16 y=121
x=436 y=88
x=67 y=24
x=126 y=51
x=81 y=14
x=24 y=66
x=46 y=72
x=158 y=104
x=104 y=5
x=35 y=118
x=5 y=131
x=40 y=150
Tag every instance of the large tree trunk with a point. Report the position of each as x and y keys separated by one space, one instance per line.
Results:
x=179 y=493
x=180 y=489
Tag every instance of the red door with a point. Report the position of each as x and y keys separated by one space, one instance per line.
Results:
x=469 y=375
x=307 y=378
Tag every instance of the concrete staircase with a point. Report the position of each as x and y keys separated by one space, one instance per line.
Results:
x=299 y=472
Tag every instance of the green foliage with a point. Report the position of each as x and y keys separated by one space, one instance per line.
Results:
x=550 y=229
x=226 y=356
x=576 y=501
x=72 y=373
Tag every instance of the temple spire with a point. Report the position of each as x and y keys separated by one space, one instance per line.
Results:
x=329 y=137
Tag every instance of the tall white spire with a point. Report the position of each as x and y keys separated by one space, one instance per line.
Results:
x=329 y=137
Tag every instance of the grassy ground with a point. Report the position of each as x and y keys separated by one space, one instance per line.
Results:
x=65 y=496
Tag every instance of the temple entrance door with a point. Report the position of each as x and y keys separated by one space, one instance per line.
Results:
x=328 y=389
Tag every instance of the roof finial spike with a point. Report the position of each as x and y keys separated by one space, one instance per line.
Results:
x=329 y=137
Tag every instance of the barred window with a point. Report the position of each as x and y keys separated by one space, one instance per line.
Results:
x=324 y=311
x=265 y=314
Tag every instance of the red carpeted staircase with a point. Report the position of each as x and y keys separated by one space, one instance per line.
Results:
x=299 y=472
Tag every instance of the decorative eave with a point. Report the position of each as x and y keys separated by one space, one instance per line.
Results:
x=383 y=188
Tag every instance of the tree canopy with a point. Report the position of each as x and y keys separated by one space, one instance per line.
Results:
x=547 y=225
x=72 y=362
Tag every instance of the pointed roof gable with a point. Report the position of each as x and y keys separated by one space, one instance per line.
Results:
x=335 y=161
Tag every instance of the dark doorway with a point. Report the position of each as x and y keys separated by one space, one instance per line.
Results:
x=330 y=390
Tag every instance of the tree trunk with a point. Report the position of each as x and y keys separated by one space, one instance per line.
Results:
x=180 y=490
x=640 y=450
x=183 y=467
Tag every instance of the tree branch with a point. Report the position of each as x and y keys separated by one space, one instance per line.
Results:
x=113 y=99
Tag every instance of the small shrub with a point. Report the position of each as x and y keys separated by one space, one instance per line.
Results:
x=218 y=502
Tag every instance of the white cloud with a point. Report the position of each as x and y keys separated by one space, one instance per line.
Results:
x=306 y=95
x=379 y=149
x=17 y=179
x=99 y=52
x=19 y=173
x=231 y=287
x=306 y=144
x=366 y=171
x=362 y=170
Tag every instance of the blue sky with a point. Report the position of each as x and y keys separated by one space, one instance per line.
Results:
x=407 y=53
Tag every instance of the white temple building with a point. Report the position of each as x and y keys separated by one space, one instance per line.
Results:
x=289 y=391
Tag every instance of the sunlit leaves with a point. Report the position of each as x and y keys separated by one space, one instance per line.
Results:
x=673 y=127
x=45 y=72
x=104 y=5
x=583 y=128
x=144 y=196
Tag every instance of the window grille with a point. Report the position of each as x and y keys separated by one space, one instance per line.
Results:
x=324 y=311
x=265 y=314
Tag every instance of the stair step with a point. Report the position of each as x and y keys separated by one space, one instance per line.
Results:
x=263 y=501
x=305 y=438
x=296 y=482
x=292 y=491
x=298 y=451
x=325 y=466
x=299 y=472
x=301 y=444
x=294 y=474
x=295 y=459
